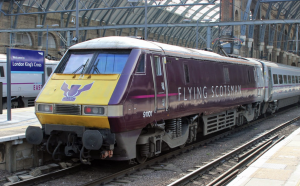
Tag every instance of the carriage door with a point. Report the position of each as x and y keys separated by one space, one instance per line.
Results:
x=160 y=83
x=259 y=80
x=270 y=82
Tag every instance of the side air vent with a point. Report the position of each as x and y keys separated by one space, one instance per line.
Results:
x=67 y=109
x=220 y=121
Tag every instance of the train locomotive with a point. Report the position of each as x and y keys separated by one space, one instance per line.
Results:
x=121 y=98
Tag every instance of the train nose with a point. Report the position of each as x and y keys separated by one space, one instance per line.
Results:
x=92 y=139
x=34 y=135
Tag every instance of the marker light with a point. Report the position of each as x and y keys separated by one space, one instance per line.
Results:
x=47 y=108
x=87 y=110
x=93 y=110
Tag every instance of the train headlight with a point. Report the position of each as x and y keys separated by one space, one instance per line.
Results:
x=93 y=110
x=46 y=108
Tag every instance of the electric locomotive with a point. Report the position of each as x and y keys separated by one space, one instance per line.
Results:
x=122 y=98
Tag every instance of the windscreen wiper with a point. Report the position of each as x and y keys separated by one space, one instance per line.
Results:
x=81 y=66
x=95 y=68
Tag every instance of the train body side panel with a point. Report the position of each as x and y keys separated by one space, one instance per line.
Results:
x=207 y=91
x=140 y=99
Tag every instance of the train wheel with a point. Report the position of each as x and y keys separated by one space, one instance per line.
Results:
x=139 y=155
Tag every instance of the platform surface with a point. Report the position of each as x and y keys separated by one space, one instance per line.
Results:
x=20 y=119
x=280 y=166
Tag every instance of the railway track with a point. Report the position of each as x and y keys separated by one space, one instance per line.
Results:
x=240 y=152
x=50 y=176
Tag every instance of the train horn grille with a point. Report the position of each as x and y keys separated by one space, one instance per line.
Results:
x=67 y=109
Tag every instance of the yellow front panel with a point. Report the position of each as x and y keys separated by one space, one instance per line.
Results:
x=87 y=121
x=95 y=89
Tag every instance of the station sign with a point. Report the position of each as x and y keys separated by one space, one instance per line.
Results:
x=27 y=61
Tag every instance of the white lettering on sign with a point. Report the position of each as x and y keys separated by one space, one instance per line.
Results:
x=27 y=64
x=216 y=91
x=147 y=114
x=16 y=57
x=20 y=64
x=37 y=65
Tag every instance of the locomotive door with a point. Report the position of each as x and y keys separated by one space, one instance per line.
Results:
x=160 y=83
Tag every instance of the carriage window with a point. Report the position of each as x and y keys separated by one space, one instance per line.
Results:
x=157 y=65
x=226 y=74
x=275 y=79
x=141 y=65
x=280 y=79
x=1 y=71
x=299 y=78
x=296 y=78
x=289 y=79
x=186 y=72
x=293 y=79
x=284 y=79
x=49 y=71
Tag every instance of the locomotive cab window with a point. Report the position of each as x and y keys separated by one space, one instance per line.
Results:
x=141 y=65
x=94 y=62
x=275 y=79
x=249 y=79
x=1 y=71
x=280 y=79
x=109 y=63
x=157 y=66
x=186 y=73
x=77 y=63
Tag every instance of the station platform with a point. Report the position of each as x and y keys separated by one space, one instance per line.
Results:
x=280 y=166
x=20 y=119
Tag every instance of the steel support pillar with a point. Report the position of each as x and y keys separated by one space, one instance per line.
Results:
x=145 y=28
x=208 y=37
x=297 y=32
x=197 y=34
x=77 y=20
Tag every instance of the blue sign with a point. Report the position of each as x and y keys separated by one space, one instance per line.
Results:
x=27 y=61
